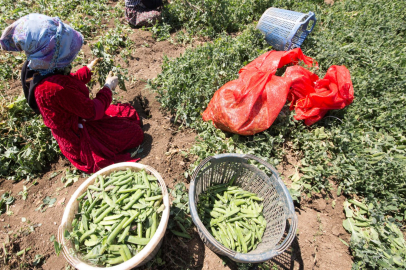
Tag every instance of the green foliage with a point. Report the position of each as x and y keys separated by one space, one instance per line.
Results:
x=376 y=240
x=26 y=143
x=180 y=212
x=108 y=47
x=210 y=17
x=187 y=83
x=5 y=201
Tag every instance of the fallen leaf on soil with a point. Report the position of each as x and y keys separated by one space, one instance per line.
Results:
x=60 y=202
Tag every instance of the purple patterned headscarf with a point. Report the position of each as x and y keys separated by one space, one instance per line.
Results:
x=48 y=43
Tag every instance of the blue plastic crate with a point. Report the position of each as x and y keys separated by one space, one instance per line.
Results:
x=284 y=29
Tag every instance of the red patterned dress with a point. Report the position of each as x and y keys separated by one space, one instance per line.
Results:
x=91 y=133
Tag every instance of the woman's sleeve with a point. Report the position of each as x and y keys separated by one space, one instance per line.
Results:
x=83 y=74
x=74 y=101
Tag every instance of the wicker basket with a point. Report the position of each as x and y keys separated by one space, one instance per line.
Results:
x=146 y=254
x=278 y=205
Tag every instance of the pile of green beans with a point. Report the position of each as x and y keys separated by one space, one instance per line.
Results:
x=117 y=217
x=233 y=215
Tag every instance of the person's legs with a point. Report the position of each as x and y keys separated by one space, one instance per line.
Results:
x=140 y=15
x=147 y=17
x=152 y=4
x=131 y=15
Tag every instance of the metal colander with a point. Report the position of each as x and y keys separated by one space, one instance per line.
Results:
x=278 y=205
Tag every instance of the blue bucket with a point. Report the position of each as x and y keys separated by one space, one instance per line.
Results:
x=285 y=30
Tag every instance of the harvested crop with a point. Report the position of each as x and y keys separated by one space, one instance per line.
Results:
x=117 y=216
x=234 y=216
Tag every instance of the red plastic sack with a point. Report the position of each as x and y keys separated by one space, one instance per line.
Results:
x=251 y=103
x=312 y=98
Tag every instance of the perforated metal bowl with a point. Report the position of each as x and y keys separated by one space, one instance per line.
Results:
x=279 y=211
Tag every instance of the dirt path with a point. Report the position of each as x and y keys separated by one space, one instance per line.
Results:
x=320 y=225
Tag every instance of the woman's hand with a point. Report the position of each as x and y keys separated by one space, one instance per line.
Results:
x=93 y=63
x=111 y=81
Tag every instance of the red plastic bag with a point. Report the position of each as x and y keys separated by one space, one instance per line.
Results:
x=312 y=98
x=251 y=103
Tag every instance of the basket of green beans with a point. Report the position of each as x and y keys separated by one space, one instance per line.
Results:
x=241 y=208
x=116 y=219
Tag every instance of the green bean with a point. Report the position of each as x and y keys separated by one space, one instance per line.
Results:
x=239 y=202
x=152 y=178
x=134 y=188
x=101 y=180
x=139 y=229
x=74 y=222
x=115 y=189
x=181 y=234
x=85 y=235
x=94 y=188
x=232 y=232
x=114 y=247
x=124 y=182
x=92 y=254
x=96 y=200
x=108 y=222
x=215 y=234
x=89 y=196
x=103 y=215
x=113 y=217
x=122 y=198
x=220 y=210
x=226 y=236
x=181 y=227
x=137 y=240
x=124 y=233
x=153 y=198
x=133 y=200
x=131 y=219
x=114 y=233
x=82 y=196
x=145 y=179
x=256 y=198
x=119 y=179
x=100 y=210
x=122 y=188
x=127 y=200
x=154 y=224
x=127 y=251
x=158 y=202
x=123 y=255
x=232 y=180
x=119 y=173
x=116 y=260
x=84 y=222
x=253 y=239
x=221 y=198
x=247 y=237
x=107 y=199
x=223 y=239
x=241 y=238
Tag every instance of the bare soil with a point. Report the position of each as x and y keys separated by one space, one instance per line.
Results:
x=317 y=245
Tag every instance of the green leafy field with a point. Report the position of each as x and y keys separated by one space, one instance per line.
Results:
x=362 y=147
